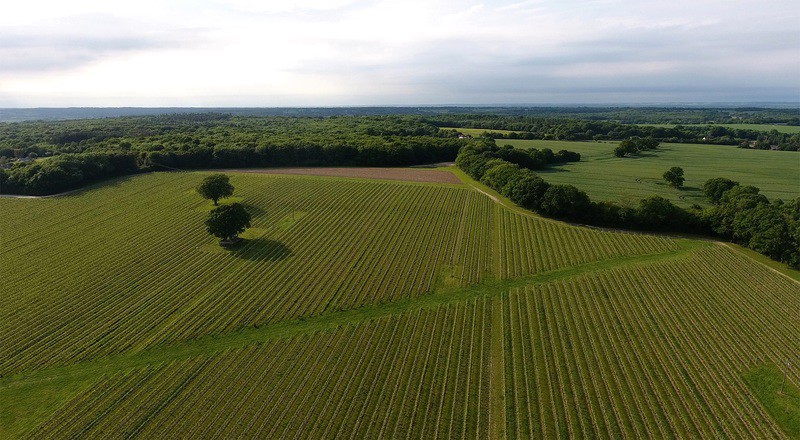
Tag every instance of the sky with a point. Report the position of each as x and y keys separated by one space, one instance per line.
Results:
x=250 y=53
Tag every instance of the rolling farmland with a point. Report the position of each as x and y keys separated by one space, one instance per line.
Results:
x=654 y=352
x=605 y=177
x=420 y=373
x=532 y=245
x=374 y=309
x=316 y=245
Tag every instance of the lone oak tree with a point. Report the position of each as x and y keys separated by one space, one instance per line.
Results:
x=227 y=222
x=215 y=187
x=674 y=176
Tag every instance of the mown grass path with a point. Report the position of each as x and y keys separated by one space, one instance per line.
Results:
x=256 y=335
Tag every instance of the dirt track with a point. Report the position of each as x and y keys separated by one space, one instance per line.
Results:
x=406 y=174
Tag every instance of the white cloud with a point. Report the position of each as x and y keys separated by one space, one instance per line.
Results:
x=275 y=7
x=316 y=52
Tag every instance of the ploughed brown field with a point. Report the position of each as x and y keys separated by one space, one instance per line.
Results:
x=406 y=174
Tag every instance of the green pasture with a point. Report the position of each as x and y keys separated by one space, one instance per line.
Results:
x=606 y=177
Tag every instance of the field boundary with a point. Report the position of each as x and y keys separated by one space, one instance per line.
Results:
x=781 y=268
x=508 y=204
x=792 y=275
x=420 y=174
x=89 y=187
x=441 y=167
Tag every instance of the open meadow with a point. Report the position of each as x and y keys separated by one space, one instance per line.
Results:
x=365 y=308
x=606 y=177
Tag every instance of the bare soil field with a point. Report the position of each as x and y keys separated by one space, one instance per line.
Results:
x=406 y=174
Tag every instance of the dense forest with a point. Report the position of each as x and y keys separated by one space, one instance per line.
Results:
x=50 y=157
x=46 y=157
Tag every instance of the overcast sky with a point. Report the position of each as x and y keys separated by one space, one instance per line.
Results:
x=350 y=52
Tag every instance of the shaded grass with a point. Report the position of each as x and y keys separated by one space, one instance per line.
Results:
x=23 y=407
x=784 y=406
x=765 y=260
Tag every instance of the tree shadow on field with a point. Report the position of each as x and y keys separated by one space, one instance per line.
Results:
x=103 y=184
x=261 y=249
x=692 y=194
x=551 y=170
x=644 y=154
x=254 y=210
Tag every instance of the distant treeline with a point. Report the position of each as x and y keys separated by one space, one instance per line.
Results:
x=626 y=115
x=49 y=157
x=69 y=171
x=739 y=213
x=180 y=132
x=89 y=151
x=525 y=127
x=66 y=172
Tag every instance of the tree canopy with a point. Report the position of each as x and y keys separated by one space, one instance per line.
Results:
x=228 y=221
x=674 y=176
x=634 y=145
x=714 y=188
x=565 y=201
x=215 y=187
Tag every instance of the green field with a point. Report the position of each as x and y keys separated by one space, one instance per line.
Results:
x=605 y=177
x=758 y=127
x=374 y=309
x=316 y=245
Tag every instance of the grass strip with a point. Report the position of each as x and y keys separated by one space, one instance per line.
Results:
x=285 y=329
x=780 y=399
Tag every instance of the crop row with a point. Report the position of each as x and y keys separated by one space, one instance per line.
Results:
x=472 y=255
x=419 y=375
x=641 y=351
x=646 y=352
x=122 y=271
x=530 y=245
